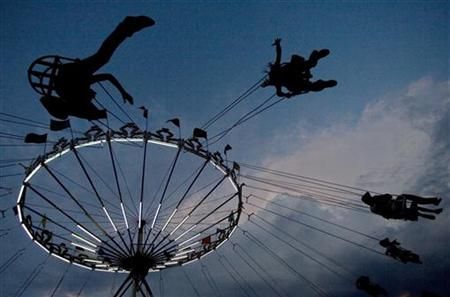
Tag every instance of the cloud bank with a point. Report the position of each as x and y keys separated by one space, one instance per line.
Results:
x=400 y=144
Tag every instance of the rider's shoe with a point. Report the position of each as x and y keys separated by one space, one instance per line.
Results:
x=133 y=24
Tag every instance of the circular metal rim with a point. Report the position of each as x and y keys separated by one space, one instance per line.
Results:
x=162 y=137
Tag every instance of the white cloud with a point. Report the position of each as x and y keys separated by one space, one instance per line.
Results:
x=399 y=144
x=386 y=149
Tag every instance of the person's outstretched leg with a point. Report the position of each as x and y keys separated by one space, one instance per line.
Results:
x=129 y=26
x=315 y=56
x=422 y=200
x=426 y=216
x=320 y=85
x=436 y=211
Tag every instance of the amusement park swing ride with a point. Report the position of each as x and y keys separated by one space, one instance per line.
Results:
x=79 y=201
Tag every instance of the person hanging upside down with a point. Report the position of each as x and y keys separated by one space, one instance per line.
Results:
x=394 y=250
x=295 y=75
x=73 y=80
x=390 y=208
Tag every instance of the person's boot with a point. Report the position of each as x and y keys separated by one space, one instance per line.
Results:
x=321 y=53
x=330 y=83
x=436 y=211
x=437 y=201
x=133 y=24
x=319 y=85
x=430 y=217
x=316 y=55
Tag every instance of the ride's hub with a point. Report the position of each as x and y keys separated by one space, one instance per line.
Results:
x=138 y=265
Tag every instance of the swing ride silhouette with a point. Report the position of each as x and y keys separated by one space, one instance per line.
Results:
x=99 y=200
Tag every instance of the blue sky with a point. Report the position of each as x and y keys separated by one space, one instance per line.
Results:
x=384 y=127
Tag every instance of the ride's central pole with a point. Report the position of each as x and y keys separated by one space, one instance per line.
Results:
x=139 y=248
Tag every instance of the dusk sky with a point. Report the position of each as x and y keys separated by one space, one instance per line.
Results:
x=385 y=127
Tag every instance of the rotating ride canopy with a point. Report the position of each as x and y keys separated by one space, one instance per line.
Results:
x=89 y=215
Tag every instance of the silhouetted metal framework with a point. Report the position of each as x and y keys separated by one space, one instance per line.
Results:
x=90 y=219
x=42 y=73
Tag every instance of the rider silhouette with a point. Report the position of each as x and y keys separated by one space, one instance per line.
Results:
x=394 y=250
x=73 y=80
x=390 y=208
x=296 y=75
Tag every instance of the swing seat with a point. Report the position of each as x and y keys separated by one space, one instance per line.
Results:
x=42 y=73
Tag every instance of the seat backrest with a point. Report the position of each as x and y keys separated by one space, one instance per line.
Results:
x=42 y=73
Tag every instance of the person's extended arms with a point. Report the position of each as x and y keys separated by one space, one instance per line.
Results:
x=109 y=77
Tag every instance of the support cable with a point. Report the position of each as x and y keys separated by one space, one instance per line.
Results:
x=115 y=102
x=210 y=279
x=303 y=252
x=302 y=177
x=254 y=112
x=243 y=289
x=311 y=284
x=309 y=198
x=321 y=231
x=313 y=188
x=259 y=266
x=2 y=161
x=104 y=182
x=190 y=282
x=255 y=270
x=172 y=168
x=116 y=178
x=179 y=202
x=111 y=113
x=191 y=194
x=60 y=280
x=22 y=118
x=161 y=284
x=157 y=252
x=317 y=195
x=36 y=271
x=108 y=248
x=78 y=223
x=141 y=199
x=25 y=124
x=128 y=188
x=113 y=285
x=315 y=217
x=233 y=104
x=11 y=136
x=188 y=215
x=11 y=175
x=124 y=286
x=82 y=287
x=14 y=258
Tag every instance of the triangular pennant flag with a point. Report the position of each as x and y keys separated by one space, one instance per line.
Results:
x=175 y=121
x=59 y=125
x=16 y=211
x=199 y=133
x=35 y=138
x=145 y=113
x=227 y=148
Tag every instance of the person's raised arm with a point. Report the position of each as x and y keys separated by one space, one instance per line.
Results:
x=277 y=44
